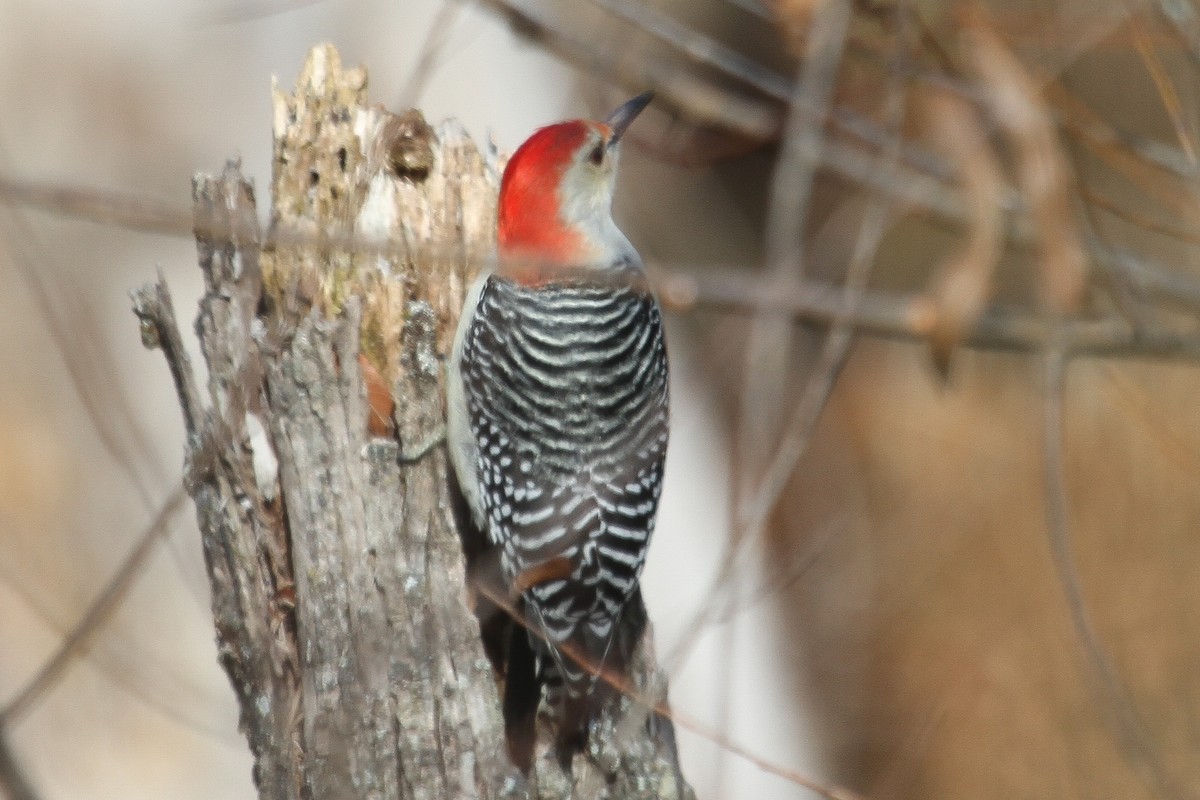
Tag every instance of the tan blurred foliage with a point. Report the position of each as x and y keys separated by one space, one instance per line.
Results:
x=969 y=678
x=975 y=682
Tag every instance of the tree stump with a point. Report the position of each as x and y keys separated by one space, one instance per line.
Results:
x=339 y=598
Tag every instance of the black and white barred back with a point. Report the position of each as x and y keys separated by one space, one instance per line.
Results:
x=566 y=395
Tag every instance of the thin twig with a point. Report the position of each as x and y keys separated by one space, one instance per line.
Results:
x=1119 y=152
x=700 y=49
x=1115 y=281
x=1132 y=735
x=1162 y=82
x=1139 y=217
x=751 y=517
x=132 y=682
x=852 y=162
x=894 y=315
x=13 y=783
x=792 y=776
x=754 y=7
x=120 y=210
x=435 y=42
x=769 y=336
x=1184 y=23
x=97 y=614
x=836 y=348
x=721 y=109
x=755 y=118
x=88 y=364
x=817 y=544
x=963 y=285
x=233 y=13
x=754 y=505
x=710 y=52
x=791 y=190
x=505 y=605
x=880 y=313
x=1014 y=100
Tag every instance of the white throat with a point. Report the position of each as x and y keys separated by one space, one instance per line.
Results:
x=585 y=204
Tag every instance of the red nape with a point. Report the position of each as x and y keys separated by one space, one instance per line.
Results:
x=528 y=221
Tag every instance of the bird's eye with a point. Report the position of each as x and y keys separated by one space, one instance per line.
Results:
x=597 y=155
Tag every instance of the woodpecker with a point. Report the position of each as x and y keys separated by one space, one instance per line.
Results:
x=558 y=424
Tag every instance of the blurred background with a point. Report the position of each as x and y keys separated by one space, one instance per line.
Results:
x=930 y=529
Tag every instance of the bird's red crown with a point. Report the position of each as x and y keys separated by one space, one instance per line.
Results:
x=529 y=224
x=556 y=191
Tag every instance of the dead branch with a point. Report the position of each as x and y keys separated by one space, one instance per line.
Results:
x=88 y=364
x=791 y=189
x=896 y=315
x=75 y=643
x=879 y=313
x=964 y=283
x=13 y=783
x=1112 y=689
x=1042 y=173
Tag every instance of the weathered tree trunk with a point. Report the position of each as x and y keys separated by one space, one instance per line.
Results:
x=339 y=596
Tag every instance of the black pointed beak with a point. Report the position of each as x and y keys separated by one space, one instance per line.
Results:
x=621 y=119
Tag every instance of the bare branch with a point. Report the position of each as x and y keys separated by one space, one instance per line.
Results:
x=753 y=514
x=88 y=365
x=642 y=692
x=1042 y=173
x=894 y=315
x=13 y=783
x=99 y=612
x=233 y=13
x=744 y=114
x=134 y=212
x=964 y=283
x=435 y=42
x=1131 y=733
x=755 y=502
x=880 y=313
x=1181 y=16
x=1166 y=88
x=791 y=189
x=698 y=48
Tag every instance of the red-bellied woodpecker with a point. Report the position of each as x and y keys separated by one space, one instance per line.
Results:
x=558 y=422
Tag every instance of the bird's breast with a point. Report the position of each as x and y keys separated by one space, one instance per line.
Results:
x=572 y=373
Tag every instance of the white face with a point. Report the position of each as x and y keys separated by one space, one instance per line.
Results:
x=585 y=201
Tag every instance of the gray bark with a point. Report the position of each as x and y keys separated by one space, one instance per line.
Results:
x=339 y=598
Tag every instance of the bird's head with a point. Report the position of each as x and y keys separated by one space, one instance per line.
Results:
x=555 y=206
